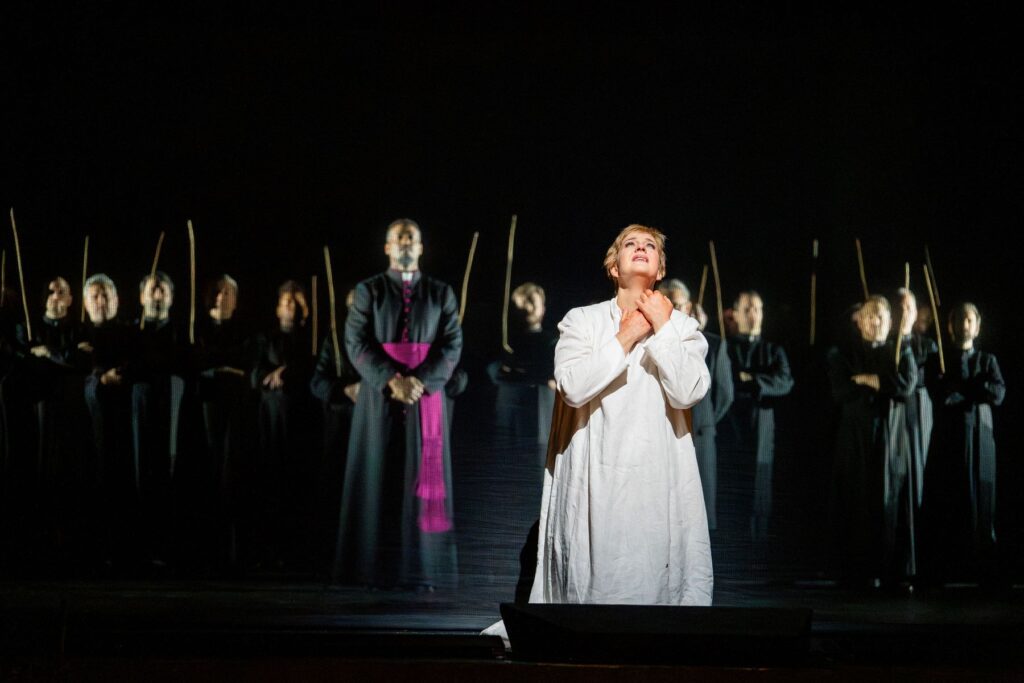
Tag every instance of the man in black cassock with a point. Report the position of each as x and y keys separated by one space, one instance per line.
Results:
x=918 y=407
x=44 y=410
x=872 y=500
x=960 y=482
x=223 y=390
x=404 y=340
x=525 y=377
x=283 y=361
x=155 y=371
x=714 y=406
x=761 y=376
x=106 y=344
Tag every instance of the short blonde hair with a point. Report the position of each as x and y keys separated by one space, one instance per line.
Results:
x=611 y=257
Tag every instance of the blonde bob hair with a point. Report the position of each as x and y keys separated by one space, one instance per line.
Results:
x=611 y=257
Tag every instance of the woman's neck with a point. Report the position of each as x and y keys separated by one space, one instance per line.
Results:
x=628 y=295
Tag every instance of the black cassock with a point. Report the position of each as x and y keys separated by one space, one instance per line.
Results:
x=918 y=411
x=524 y=401
x=960 y=481
x=747 y=437
x=282 y=473
x=382 y=538
x=872 y=500
x=156 y=371
x=706 y=416
x=328 y=385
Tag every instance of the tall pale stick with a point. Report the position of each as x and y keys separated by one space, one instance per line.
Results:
x=899 y=336
x=316 y=324
x=21 y=275
x=703 y=284
x=935 y=316
x=334 y=318
x=906 y=275
x=191 y=284
x=465 y=278
x=85 y=270
x=152 y=274
x=814 y=289
x=718 y=289
x=3 y=276
x=860 y=266
x=931 y=273
x=508 y=285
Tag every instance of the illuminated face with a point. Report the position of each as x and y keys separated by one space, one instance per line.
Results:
x=225 y=302
x=533 y=309
x=287 y=309
x=58 y=301
x=404 y=246
x=909 y=305
x=638 y=256
x=100 y=303
x=874 y=322
x=156 y=299
x=749 y=314
x=966 y=327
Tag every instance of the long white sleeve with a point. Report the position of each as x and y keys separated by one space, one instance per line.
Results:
x=679 y=349
x=585 y=365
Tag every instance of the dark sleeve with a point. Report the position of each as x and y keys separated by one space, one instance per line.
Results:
x=777 y=380
x=899 y=382
x=445 y=350
x=988 y=385
x=259 y=367
x=375 y=367
x=843 y=388
x=325 y=383
x=723 y=390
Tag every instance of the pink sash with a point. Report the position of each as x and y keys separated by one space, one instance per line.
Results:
x=433 y=518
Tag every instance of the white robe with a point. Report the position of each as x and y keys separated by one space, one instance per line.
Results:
x=622 y=516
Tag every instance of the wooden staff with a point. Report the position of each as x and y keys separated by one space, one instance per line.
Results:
x=860 y=265
x=899 y=336
x=935 y=314
x=931 y=274
x=508 y=285
x=316 y=332
x=21 y=275
x=814 y=288
x=906 y=275
x=334 y=319
x=191 y=284
x=703 y=283
x=152 y=274
x=3 y=276
x=85 y=270
x=718 y=289
x=465 y=278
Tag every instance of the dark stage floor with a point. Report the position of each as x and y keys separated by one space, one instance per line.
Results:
x=43 y=620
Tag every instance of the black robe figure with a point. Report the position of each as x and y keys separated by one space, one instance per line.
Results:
x=223 y=391
x=524 y=401
x=329 y=386
x=156 y=372
x=747 y=438
x=282 y=475
x=39 y=400
x=391 y=532
x=706 y=416
x=872 y=501
x=918 y=407
x=113 y=488
x=960 y=481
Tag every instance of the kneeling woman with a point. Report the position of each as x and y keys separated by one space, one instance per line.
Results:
x=622 y=518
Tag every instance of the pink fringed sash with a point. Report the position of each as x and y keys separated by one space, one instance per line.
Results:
x=433 y=517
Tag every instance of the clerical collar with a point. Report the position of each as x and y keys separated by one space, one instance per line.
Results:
x=404 y=276
x=751 y=337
